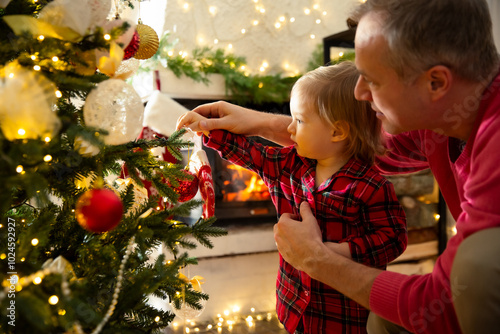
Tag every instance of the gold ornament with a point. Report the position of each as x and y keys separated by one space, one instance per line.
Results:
x=148 y=41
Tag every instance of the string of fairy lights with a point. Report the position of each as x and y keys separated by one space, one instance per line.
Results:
x=265 y=18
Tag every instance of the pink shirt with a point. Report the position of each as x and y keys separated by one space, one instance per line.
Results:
x=471 y=188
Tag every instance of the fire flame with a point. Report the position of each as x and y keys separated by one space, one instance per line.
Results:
x=244 y=185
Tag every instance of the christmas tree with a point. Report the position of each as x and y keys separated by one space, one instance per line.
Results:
x=79 y=231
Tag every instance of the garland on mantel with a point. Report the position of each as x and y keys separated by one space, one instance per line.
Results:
x=241 y=88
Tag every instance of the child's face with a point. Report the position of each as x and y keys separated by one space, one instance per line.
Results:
x=312 y=135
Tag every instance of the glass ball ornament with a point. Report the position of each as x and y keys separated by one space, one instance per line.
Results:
x=99 y=210
x=148 y=41
x=186 y=312
x=188 y=188
x=116 y=107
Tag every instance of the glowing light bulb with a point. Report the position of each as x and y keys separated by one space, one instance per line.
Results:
x=212 y=10
x=19 y=169
x=243 y=31
x=21 y=132
x=107 y=37
x=316 y=6
x=170 y=53
x=282 y=19
x=324 y=13
x=307 y=11
x=37 y=68
x=47 y=158
x=53 y=300
x=47 y=139
x=277 y=25
x=255 y=22
x=58 y=94
x=341 y=54
x=185 y=6
x=216 y=41
x=37 y=280
x=33 y=57
x=230 y=46
x=41 y=37
x=34 y=241
x=292 y=19
x=313 y=36
x=157 y=319
x=318 y=21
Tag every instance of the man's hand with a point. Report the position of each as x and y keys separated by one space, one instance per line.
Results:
x=300 y=242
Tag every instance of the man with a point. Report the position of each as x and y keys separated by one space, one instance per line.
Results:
x=430 y=70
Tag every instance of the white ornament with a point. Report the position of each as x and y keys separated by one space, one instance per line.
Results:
x=125 y=38
x=114 y=106
x=99 y=10
x=187 y=312
x=68 y=13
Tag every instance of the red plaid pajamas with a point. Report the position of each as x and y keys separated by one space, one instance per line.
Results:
x=356 y=205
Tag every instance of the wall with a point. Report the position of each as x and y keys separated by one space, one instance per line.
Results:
x=220 y=24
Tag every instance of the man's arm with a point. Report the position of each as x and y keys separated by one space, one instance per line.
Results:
x=239 y=120
x=300 y=244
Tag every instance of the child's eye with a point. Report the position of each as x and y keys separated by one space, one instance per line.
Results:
x=298 y=121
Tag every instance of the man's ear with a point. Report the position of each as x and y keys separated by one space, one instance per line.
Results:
x=340 y=131
x=439 y=79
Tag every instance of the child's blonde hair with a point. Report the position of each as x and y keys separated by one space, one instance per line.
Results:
x=329 y=90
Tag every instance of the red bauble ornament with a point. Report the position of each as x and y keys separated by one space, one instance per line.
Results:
x=132 y=47
x=187 y=188
x=99 y=210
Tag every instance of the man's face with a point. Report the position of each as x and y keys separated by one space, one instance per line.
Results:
x=398 y=105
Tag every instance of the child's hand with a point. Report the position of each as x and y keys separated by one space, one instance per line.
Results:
x=192 y=120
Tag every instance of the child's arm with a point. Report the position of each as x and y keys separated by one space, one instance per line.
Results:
x=239 y=120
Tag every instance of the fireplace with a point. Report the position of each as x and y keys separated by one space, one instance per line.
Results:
x=241 y=197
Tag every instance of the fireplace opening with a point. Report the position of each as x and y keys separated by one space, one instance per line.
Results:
x=241 y=197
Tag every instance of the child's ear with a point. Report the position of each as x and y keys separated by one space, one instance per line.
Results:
x=340 y=131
